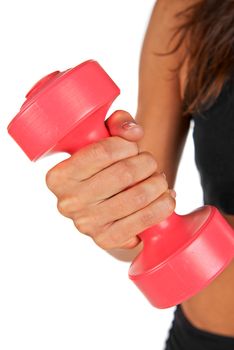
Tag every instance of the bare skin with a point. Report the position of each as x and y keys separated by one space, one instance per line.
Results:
x=213 y=308
x=114 y=189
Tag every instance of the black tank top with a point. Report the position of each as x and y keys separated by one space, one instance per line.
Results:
x=213 y=136
x=184 y=336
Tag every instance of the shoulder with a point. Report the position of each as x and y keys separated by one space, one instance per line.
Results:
x=169 y=6
x=162 y=38
x=164 y=21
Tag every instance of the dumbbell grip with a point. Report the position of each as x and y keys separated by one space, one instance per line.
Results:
x=80 y=138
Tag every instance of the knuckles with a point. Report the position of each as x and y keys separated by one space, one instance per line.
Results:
x=157 y=212
x=148 y=218
x=125 y=172
x=82 y=225
x=140 y=198
x=130 y=148
x=170 y=203
x=51 y=178
x=107 y=149
x=85 y=219
x=55 y=177
x=100 y=150
x=87 y=226
x=106 y=244
x=150 y=159
x=142 y=193
x=69 y=206
x=162 y=181
x=64 y=207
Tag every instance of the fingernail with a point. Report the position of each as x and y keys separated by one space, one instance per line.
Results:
x=173 y=193
x=129 y=125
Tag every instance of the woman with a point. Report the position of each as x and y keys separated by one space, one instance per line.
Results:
x=119 y=186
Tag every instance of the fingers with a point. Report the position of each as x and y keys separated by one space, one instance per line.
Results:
x=133 y=199
x=117 y=178
x=93 y=158
x=121 y=231
x=119 y=202
x=122 y=204
x=89 y=161
x=110 y=190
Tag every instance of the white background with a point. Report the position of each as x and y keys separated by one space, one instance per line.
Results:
x=58 y=290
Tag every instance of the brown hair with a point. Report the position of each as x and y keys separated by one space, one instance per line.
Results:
x=210 y=24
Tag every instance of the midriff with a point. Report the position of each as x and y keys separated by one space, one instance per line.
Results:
x=212 y=309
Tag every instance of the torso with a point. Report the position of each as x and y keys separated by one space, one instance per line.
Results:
x=213 y=308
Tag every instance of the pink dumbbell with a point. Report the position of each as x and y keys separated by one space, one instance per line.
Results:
x=65 y=111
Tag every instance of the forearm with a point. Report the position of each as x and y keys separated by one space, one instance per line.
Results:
x=159 y=109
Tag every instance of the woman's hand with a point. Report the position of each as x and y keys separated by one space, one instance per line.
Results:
x=110 y=190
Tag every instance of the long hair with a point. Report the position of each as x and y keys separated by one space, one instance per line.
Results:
x=210 y=24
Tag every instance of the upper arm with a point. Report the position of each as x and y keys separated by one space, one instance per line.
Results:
x=160 y=89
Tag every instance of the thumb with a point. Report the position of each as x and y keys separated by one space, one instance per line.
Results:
x=122 y=124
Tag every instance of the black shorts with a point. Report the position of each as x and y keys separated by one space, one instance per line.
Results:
x=184 y=336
